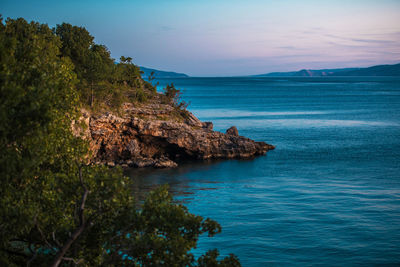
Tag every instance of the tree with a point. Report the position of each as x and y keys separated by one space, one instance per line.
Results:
x=97 y=74
x=173 y=96
x=93 y=62
x=56 y=208
x=128 y=73
x=127 y=60
x=98 y=67
x=37 y=150
x=76 y=43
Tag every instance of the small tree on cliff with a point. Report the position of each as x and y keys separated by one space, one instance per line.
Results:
x=172 y=96
x=98 y=67
x=128 y=76
x=127 y=72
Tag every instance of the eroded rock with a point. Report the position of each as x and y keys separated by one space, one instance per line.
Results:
x=232 y=131
x=150 y=136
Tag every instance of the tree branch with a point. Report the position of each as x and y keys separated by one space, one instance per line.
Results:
x=55 y=239
x=44 y=237
x=60 y=255
x=76 y=262
x=33 y=257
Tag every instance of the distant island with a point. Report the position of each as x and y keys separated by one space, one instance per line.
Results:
x=161 y=74
x=379 y=70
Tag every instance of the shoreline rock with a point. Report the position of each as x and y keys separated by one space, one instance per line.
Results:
x=149 y=136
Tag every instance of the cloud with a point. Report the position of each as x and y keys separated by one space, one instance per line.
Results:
x=373 y=41
x=363 y=40
x=289 y=47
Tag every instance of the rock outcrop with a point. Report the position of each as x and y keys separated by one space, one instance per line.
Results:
x=232 y=131
x=153 y=135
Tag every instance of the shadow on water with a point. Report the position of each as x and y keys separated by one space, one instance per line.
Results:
x=180 y=179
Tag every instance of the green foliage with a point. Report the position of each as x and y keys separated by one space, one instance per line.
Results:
x=173 y=96
x=127 y=73
x=99 y=77
x=38 y=153
x=140 y=95
x=76 y=43
x=92 y=62
x=150 y=87
x=211 y=259
x=98 y=67
x=56 y=208
x=162 y=234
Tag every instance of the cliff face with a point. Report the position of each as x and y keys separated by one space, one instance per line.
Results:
x=151 y=136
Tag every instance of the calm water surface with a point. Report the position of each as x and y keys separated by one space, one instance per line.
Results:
x=330 y=192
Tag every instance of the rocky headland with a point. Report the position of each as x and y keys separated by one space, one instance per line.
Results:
x=159 y=135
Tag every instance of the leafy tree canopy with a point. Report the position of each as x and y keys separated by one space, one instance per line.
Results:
x=56 y=208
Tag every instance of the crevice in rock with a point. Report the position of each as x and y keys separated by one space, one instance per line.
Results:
x=158 y=147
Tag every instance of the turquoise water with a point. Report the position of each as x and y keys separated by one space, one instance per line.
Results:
x=329 y=194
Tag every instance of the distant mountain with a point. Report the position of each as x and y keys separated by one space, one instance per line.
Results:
x=161 y=74
x=379 y=70
x=306 y=73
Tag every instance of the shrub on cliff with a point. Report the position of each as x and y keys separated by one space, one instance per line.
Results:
x=55 y=207
x=173 y=96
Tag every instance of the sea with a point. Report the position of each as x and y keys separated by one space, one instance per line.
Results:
x=328 y=195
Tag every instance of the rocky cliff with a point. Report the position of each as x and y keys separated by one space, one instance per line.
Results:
x=158 y=135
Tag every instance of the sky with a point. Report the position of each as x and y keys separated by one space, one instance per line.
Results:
x=231 y=37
